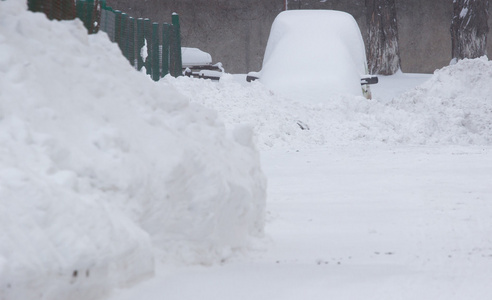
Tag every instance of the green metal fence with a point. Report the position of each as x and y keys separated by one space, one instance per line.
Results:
x=157 y=47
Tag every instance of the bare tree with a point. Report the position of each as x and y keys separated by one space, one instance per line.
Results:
x=383 y=53
x=469 y=28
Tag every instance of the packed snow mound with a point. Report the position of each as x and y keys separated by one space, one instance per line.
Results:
x=453 y=107
x=275 y=119
x=101 y=168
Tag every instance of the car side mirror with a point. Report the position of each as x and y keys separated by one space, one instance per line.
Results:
x=252 y=76
x=369 y=79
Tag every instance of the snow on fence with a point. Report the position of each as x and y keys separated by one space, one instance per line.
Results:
x=150 y=45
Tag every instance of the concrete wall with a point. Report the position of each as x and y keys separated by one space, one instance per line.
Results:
x=424 y=34
x=235 y=32
x=423 y=25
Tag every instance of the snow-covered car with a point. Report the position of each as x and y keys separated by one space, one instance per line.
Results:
x=314 y=53
x=198 y=63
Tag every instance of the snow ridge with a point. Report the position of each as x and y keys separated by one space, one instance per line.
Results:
x=453 y=107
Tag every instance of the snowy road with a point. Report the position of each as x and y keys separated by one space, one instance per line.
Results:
x=359 y=223
x=104 y=176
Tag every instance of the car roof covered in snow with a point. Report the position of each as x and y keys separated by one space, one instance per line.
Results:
x=195 y=57
x=316 y=51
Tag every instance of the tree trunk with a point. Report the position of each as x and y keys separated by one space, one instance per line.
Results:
x=383 y=53
x=469 y=28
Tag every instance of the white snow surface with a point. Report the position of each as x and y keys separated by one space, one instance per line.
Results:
x=370 y=203
x=107 y=178
x=382 y=199
x=195 y=57
x=103 y=171
x=454 y=106
x=349 y=222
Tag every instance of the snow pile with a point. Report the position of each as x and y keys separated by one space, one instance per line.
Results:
x=101 y=168
x=289 y=123
x=274 y=119
x=453 y=107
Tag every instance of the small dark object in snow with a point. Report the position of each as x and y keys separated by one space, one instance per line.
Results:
x=303 y=125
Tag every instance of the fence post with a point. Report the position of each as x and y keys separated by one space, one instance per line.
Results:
x=148 y=36
x=177 y=64
x=105 y=11
x=80 y=8
x=89 y=17
x=131 y=41
x=165 y=49
x=155 y=52
x=48 y=9
x=86 y=10
x=124 y=35
x=140 y=43
x=117 y=27
x=104 y=18
x=96 y=16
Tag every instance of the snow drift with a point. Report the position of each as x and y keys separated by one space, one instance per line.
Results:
x=453 y=107
x=101 y=168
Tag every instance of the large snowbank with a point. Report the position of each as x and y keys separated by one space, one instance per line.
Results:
x=102 y=171
x=453 y=107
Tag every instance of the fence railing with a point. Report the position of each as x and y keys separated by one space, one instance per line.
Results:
x=146 y=44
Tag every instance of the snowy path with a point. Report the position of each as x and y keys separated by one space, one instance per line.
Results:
x=403 y=223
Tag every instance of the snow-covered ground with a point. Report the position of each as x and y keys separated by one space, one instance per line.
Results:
x=103 y=172
x=358 y=219
x=351 y=223
x=111 y=178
